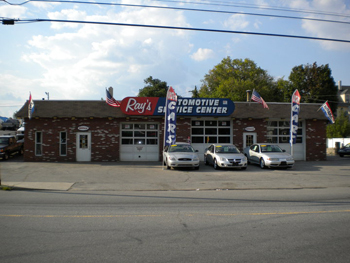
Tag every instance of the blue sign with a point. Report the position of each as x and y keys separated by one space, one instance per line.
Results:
x=198 y=107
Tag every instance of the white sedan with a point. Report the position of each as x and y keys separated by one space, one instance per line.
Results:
x=225 y=156
x=180 y=155
x=268 y=155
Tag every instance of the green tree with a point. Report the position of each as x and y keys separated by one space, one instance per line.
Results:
x=284 y=90
x=315 y=84
x=341 y=127
x=232 y=78
x=153 y=88
x=195 y=92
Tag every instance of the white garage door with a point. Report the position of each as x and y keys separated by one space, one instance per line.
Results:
x=139 y=142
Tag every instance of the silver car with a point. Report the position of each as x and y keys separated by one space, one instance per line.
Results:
x=180 y=155
x=268 y=155
x=225 y=156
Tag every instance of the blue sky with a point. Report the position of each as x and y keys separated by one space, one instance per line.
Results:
x=78 y=61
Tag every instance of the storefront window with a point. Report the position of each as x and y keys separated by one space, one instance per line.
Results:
x=279 y=132
x=196 y=139
x=127 y=126
x=224 y=123
x=139 y=126
x=83 y=141
x=63 y=143
x=139 y=134
x=127 y=133
x=38 y=143
x=224 y=131
x=211 y=123
x=211 y=131
x=199 y=131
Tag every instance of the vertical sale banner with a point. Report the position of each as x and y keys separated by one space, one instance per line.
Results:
x=170 y=117
x=294 y=118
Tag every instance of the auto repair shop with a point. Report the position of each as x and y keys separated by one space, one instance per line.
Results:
x=93 y=131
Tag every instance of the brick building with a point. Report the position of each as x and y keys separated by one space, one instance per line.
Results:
x=70 y=131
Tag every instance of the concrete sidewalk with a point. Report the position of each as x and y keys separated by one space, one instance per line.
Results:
x=151 y=176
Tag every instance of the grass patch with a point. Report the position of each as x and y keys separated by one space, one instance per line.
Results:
x=5 y=188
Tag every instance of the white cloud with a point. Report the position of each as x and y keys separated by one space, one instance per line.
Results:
x=326 y=29
x=89 y=58
x=15 y=91
x=66 y=14
x=202 y=54
x=12 y=11
x=236 y=22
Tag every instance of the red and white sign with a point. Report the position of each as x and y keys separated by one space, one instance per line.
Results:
x=139 y=105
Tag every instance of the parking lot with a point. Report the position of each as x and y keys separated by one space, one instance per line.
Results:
x=142 y=176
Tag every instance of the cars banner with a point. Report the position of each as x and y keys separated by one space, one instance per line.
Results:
x=170 y=117
x=294 y=116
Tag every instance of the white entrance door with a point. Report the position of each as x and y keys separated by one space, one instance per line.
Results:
x=83 y=147
x=249 y=138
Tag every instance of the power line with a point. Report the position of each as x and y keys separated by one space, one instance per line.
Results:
x=254 y=6
x=212 y=3
x=183 y=28
x=188 y=9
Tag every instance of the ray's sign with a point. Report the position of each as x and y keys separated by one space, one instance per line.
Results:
x=185 y=106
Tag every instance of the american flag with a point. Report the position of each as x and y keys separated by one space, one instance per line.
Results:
x=111 y=101
x=256 y=97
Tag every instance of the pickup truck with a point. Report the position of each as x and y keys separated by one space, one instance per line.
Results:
x=9 y=146
x=10 y=124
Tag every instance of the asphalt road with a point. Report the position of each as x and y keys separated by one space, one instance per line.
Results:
x=306 y=225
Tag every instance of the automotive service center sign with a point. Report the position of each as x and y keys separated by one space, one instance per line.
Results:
x=185 y=106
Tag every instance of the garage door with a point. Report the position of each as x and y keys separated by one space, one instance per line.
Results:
x=139 y=142
x=206 y=132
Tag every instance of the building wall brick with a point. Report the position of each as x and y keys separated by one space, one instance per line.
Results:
x=105 y=136
x=316 y=140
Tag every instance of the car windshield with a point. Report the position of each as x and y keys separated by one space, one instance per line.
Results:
x=181 y=148
x=270 y=148
x=348 y=145
x=226 y=149
x=4 y=141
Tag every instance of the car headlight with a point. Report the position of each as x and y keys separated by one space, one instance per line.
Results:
x=172 y=158
x=223 y=159
x=290 y=159
x=273 y=159
x=195 y=159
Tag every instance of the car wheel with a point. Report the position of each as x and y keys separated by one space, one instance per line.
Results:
x=216 y=166
x=6 y=156
x=243 y=168
x=247 y=159
x=341 y=155
x=262 y=163
x=196 y=168
x=166 y=164
x=21 y=151
x=205 y=160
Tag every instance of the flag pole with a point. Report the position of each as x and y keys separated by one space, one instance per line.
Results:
x=322 y=105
